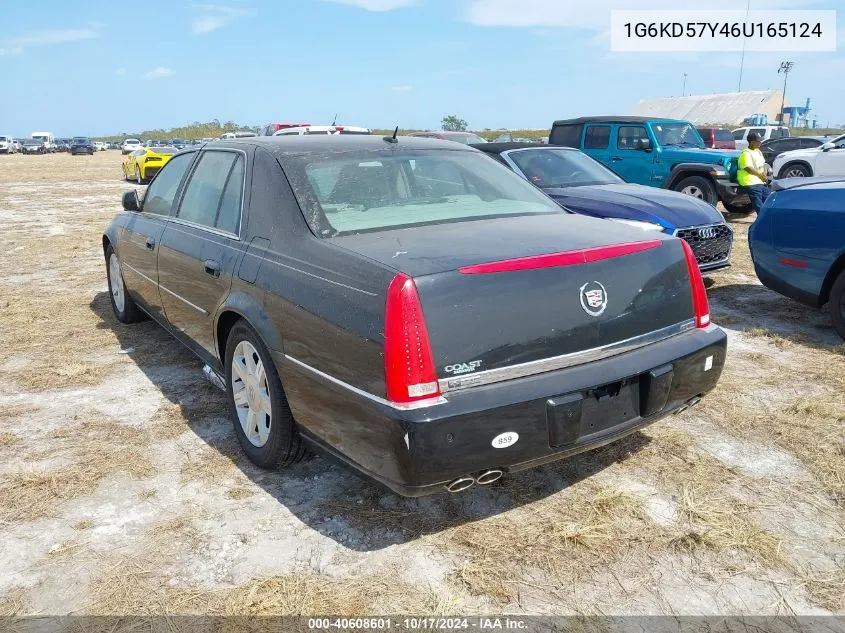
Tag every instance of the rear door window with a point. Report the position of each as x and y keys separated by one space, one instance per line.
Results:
x=597 y=137
x=759 y=131
x=739 y=134
x=724 y=135
x=203 y=196
x=566 y=135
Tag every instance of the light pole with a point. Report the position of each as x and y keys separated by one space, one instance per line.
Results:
x=785 y=67
x=742 y=59
x=684 y=93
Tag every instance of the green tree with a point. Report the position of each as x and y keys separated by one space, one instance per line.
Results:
x=453 y=123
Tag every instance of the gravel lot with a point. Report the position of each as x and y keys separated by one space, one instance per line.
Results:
x=123 y=490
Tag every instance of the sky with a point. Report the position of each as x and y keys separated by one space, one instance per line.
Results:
x=101 y=67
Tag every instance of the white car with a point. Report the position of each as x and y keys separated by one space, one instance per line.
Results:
x=130 y=145
x=7 y=145
x=826 y=160
x=765 y=132
x=321 y=129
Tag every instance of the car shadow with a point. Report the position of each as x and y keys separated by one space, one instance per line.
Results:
x=323 y=493
x=758 y=311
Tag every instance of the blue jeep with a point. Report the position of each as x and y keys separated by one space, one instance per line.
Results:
x=657 y=152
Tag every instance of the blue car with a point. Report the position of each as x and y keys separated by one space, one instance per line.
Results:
x=798 y=243
x=582 y=185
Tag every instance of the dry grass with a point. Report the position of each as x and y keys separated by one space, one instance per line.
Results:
x=214 y=463
x=241 y=492
x=9 y=439
x=826 y=589
x=84 y=524
x=11 y=411
x=776 y=339
x=726 y=525
x=147 y=494
x=563 y=540
x=96 y=448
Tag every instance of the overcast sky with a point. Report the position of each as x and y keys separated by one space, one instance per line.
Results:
x=103 y=67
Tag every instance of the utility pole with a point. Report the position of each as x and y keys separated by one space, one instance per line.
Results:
x=785 y=67
x=742 y=59
x=684 y=93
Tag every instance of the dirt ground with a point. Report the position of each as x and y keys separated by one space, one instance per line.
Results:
x=123 y=491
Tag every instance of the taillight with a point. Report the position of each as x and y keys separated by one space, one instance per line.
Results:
x=699 y=294
x=409 y=369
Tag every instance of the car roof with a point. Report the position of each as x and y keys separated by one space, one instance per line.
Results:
x=498 y=148
x=613 y=119
x=303 y=144
x=814 y=181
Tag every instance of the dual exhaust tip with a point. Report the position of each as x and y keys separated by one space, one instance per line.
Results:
x=463 y=483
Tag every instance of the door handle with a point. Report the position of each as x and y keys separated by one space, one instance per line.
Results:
x=151 y=243
x=212 y=267
x=615 y=158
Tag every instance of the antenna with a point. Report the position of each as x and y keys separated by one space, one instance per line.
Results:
x=392 y=139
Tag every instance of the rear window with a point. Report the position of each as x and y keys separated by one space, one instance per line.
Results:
x=364 y=132
x=566 y=135
x=724 y=135
x=363 y=192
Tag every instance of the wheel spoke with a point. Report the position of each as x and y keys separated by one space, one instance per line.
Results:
x=266 y=405
x=260 y=376
x=252 y=426
x=249 y=360
x=239 y=368
x=263 y=428
x=240 y=398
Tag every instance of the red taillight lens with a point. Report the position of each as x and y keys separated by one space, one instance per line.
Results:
x=409 y=369
x=699 y=294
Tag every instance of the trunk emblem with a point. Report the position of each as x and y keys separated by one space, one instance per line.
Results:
x=593 y=298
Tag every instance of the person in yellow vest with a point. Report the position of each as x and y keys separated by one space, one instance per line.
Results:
x=752 y=174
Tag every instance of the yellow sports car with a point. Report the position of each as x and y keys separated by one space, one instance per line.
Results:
x=142 y=164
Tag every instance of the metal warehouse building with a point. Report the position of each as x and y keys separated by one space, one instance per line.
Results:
x=730 y=108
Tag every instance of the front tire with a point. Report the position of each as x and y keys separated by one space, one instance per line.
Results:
x=698 y=187
x=837 y=304
x=125 y=309
x=259 y=409
x=795 y=170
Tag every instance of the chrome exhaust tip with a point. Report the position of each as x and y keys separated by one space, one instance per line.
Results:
x=681 y=409
x=460 y=484
x=693 y=401
x=213 y=377
x=489 y=476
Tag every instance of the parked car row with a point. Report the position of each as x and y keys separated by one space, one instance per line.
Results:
x=415 y=307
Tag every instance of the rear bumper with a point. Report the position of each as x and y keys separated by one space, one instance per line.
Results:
x=555 y=414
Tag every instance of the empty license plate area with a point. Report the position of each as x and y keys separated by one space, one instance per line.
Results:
x=576 y=415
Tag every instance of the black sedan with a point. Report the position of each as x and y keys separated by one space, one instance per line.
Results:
x=82 y=145
x=409 y=306
x=581 y=184
x=774 y=147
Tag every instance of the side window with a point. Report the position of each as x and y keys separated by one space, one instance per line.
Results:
x=759 y=131
x=229 y=213
x=566 y=135
x=807 y=143
x=161 y=192
x=204 y=191
x=139 y=152
x=630 y=135
x=739 y=134
x=841 y=144
x=597 y=137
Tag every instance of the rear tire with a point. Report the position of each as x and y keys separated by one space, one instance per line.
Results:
x=837 y=304
x=125 y=309
x=698 y=187
x=794 y=170
x=738 y=209
x=270 y=441
x=138 y=178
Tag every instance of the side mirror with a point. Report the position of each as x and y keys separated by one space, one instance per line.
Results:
x=828 y=146
x=644 y=145
x=130 y=201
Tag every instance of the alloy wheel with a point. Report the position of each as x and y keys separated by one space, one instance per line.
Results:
x=251 y=394
x=794 y=172
x=693 y=191
x=116 y=283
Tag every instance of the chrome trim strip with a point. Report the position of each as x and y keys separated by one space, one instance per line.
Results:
x=152 y=281
x=183 y=299
x=523 y=370
x=202 y=227
x=424 y=404
x=331 y=281
x=137 y=272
